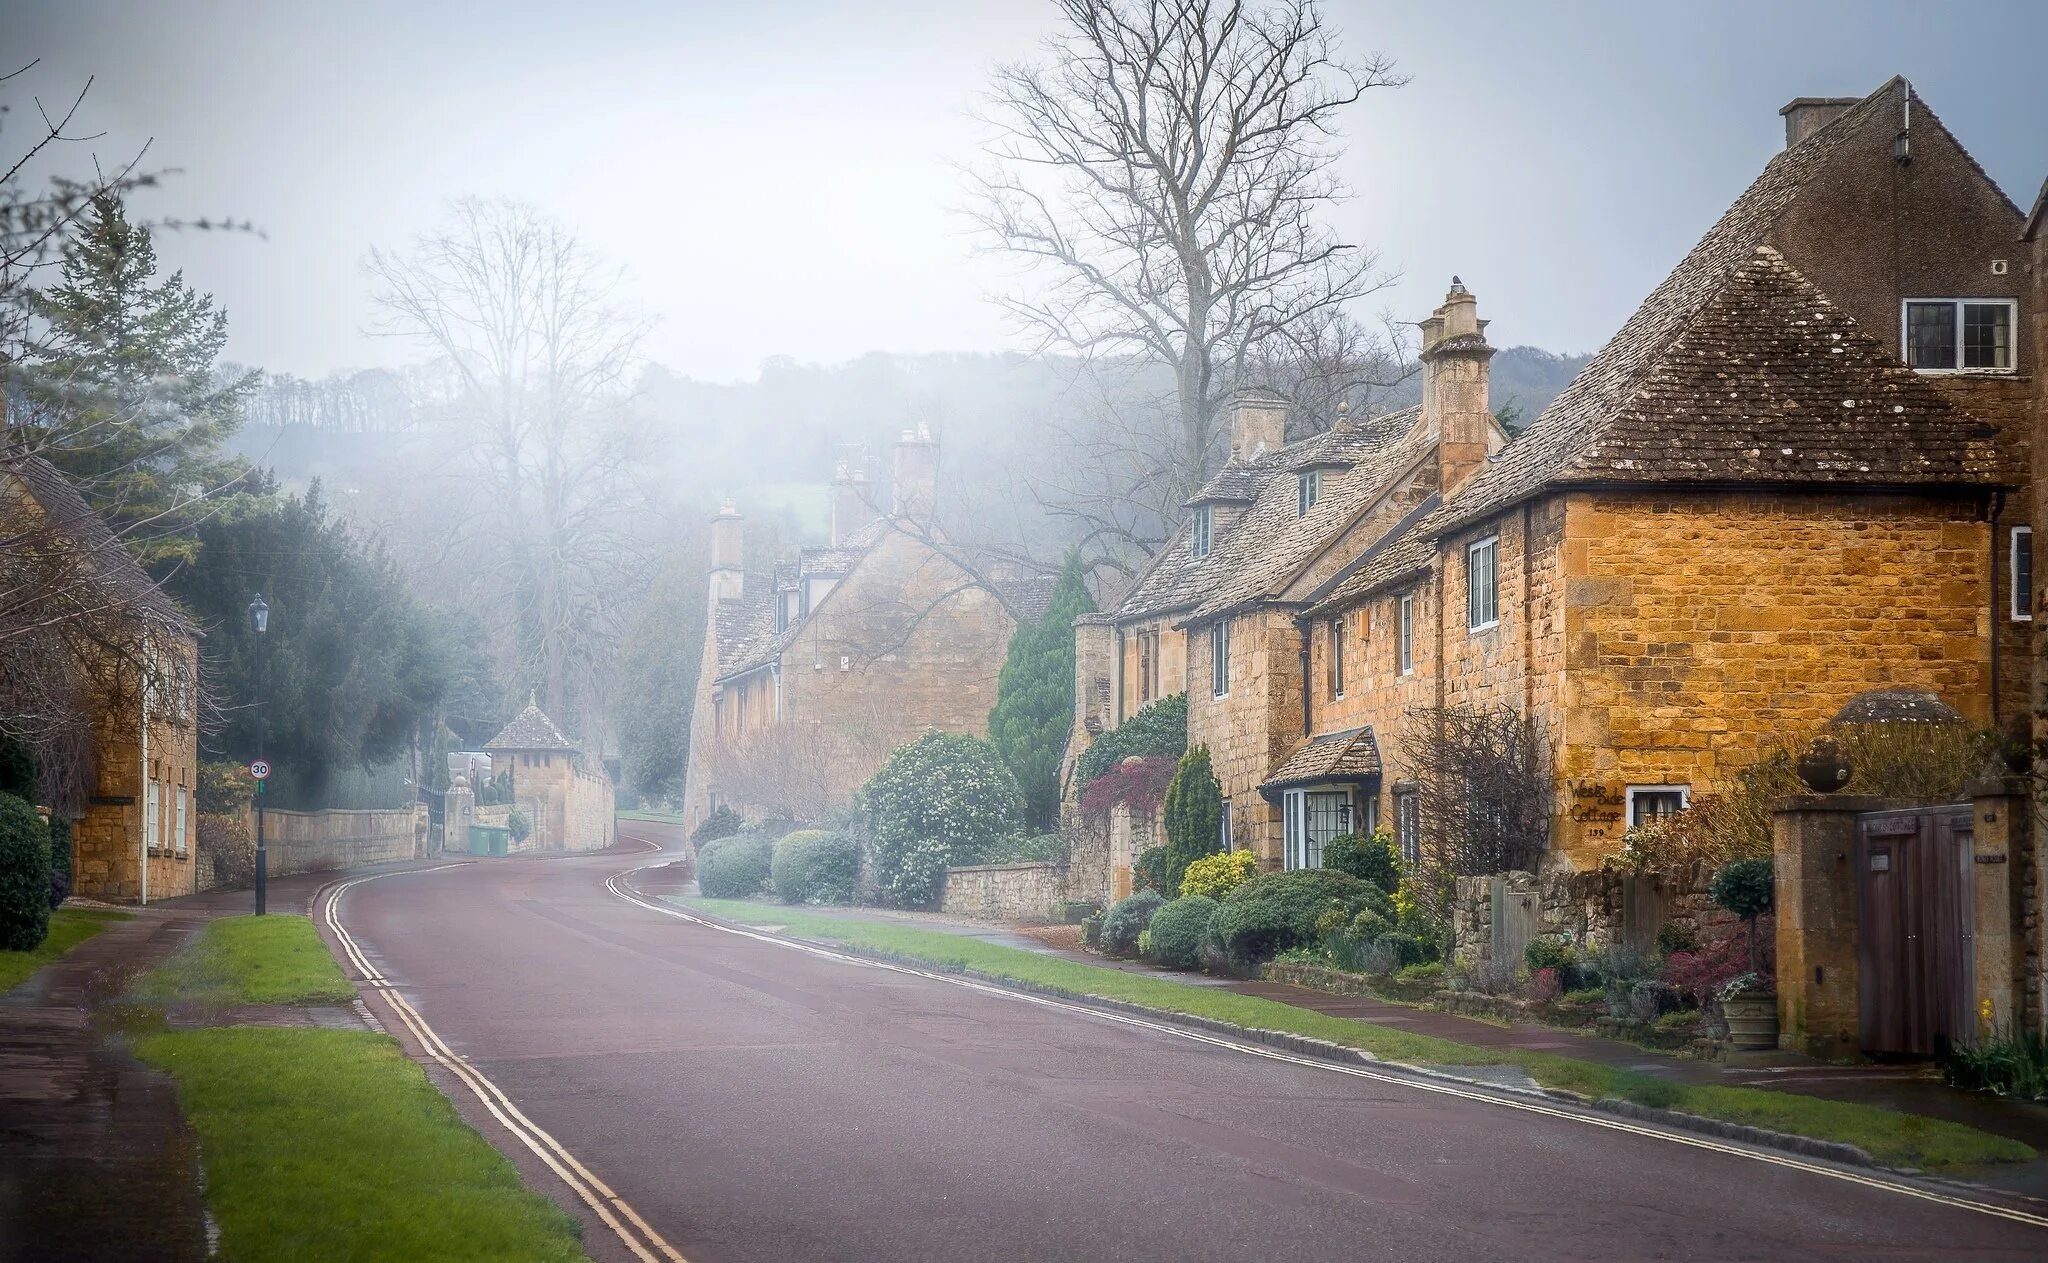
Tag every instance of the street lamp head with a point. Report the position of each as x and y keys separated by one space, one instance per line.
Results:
x=259 y=615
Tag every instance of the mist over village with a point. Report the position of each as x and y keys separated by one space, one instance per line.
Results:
x=1045 y=629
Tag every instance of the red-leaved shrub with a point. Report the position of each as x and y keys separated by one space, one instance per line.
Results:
x=1698 y=975
x=1544 y=987
x=1139 y=781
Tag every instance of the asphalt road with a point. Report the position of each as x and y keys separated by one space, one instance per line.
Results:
x=751 y=1102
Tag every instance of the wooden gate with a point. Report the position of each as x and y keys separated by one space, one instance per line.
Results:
x=1514 y=921
x=1916 y=929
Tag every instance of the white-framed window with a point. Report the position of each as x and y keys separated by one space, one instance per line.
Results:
x=1405 y=649
x=1958 y=335
x=1202 y=535
x=1338 y=647
x=1306 y=491
x=1408 y=824
x=151 y=837
x=1654 y=802
x=1224 y=841
x=2020 y=571
x=1310 y=818
x=179 y=836
x=1148 y=666
x=1482 y=583
x=1219 y=657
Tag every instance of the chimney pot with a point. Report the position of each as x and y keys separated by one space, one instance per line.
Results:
x=1258 y=423
x=1455 y=386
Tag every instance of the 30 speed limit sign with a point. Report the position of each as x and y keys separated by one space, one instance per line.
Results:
x=260 y=769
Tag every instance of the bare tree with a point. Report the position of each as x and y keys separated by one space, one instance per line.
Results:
x=533 y=494
x=1483 y=793
x=1163 y=167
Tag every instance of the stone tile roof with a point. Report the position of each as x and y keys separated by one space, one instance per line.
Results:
x=530 y=729
x=1406 y=549
x=100 y=552
x=744 y=624
x=1271 y=539
x=1026 y=596
x=1237 y=482
x=1351 y=755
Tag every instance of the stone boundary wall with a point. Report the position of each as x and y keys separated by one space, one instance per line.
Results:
x=1006 y=892
x=589 y=813
x=323 y=841
x=1594 y=909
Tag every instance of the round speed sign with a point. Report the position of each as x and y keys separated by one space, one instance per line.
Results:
x=260 y=769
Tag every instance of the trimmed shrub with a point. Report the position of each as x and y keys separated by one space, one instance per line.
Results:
x=1175 y=936
x=1744 y=887
x=228 y=846
x=518 y=825
x=1371 y=858
x=1547 y=953
x=24 y=876
x=1158 y=729
x=813 y=866
x=940 y=801
x=1217 y=875
x=1194 y=814
x=1126 y=920
x=1276 y=912
x=734 y=867
x=60 y=860
x=1148 y=872
x=722 y=823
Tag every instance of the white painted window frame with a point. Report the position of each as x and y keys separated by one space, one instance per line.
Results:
x=1294 y=822
x=2011 y=306
x=2021 y=600
x=1408 y=825
x=179 y=836
x=1491 y=546
x=152 y=836
x=1308 y=488
x=1684 y=793
x=1335 y=673
x=1404 y=635
x=1219 y=658
x=1202 y=535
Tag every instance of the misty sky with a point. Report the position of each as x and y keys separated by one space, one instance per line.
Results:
x=775 y=176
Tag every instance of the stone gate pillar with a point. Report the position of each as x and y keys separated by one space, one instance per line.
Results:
x=2004 y=876
x=458 y=812
x=1813 y=850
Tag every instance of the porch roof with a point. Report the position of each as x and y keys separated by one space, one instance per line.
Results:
x=1348 y=756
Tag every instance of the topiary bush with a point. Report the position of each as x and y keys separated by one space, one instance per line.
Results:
x=734 y=867
x=1744 y=887
x=1148 y=871
x=1158 y=729
x=1276 y=912
x=1194 y=815
x=518 y=825
x=24 y=876
x=1175 y=936
x=1371 y=858
x=60 y=860
x=1217 y=875
x=942 y=800
x=1126 y=920
x=722 y=823
x=813 y=866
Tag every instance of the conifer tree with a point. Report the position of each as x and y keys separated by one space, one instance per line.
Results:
x=1035 y=697
x=124 y=396
x=1194 y=814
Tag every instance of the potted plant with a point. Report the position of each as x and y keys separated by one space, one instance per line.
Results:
x=1749 y=1002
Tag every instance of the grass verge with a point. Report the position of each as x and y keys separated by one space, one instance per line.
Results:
x=1908 y=1140
x=662 y=817
x=324 y=1144
x=250 y=960
x=68 y=928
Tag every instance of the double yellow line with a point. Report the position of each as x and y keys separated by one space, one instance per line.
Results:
x=617 y=1214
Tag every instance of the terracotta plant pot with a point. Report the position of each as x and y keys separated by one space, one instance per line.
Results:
x=1752 y=1020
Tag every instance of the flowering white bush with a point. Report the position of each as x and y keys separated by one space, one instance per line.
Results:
x=942 y=800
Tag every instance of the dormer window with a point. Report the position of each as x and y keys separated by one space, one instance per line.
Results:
x=1202 y=537
x=1955 y=335
x=1306 y=490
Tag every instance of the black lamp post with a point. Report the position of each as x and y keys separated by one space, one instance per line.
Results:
x=259 y=623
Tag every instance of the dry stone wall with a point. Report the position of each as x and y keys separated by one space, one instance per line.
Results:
x=1005 y=892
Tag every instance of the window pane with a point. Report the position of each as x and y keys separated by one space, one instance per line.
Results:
x=1408 y=826
x=1931 y=335
x=1654 y=804
x=2022 y=572
x=1987 y=335
x=1337 y=657
x=1482 y=584
x=1219 y=658
x=1407 y=634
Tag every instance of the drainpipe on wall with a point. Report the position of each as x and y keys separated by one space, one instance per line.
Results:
x=142 y=788
x=1997 y=508
x=1308 y=714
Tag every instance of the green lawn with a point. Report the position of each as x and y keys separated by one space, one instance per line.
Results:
x=68 y=928
x=662 y=817
x=1892 y=1138
x=250 y=960
x=324 y=1144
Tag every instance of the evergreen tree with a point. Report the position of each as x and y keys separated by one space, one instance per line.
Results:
x=1194 y=814
x=124 y=397
x=1035 y=697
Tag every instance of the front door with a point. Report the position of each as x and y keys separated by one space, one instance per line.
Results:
x=1916 y=929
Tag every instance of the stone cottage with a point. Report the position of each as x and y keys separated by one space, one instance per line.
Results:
x=136 y=666
x=1798 y=472
x=814 y=672
x=564 y=792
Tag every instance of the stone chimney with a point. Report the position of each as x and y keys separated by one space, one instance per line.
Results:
x=852 y=503
x=1808 y=114
x=728 y=566
x=1094 y=693
x=1258 y=422
x=914 y=483
x=1454 y=386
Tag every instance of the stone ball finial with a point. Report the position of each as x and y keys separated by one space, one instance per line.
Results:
x=460 y=782
x=1825 y=765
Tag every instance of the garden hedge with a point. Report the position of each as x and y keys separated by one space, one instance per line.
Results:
x=1177 y=929
x=24 y=876
x=1126 y=920
x=1275 y=912
x=734 y=867
x=813 y=866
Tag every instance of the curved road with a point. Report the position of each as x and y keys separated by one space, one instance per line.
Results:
x=739 y=1100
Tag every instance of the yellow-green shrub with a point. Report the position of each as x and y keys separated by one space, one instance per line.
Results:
x=1215 y=876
